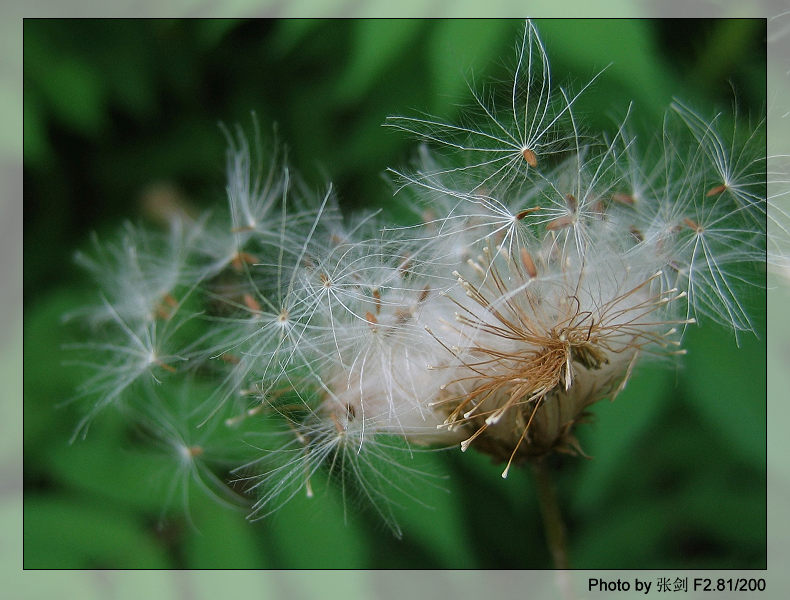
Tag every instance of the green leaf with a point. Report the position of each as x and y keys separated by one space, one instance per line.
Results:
x=48 y=380
x=290 y=33
x=36 y=145
x=210 y=32
x=60 y=533
x=76 y=94
x=617 y=427
x=376 y=44
x=726 y=385
x=222 y=538
x=623 y=537
x=322 y=532
x=99 y=468
x=431 y=513
x=636 y=65
x=460 y=47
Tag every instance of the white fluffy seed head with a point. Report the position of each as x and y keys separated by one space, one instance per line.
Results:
x=546 y=265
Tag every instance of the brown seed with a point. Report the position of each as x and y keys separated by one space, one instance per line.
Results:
x=529 y=264
x=573 y=204
x=371 y=318
x=165 y=366
x=251 y=303
x=530 y=157
x=170 y=301
x=161 y=313
x=424 y=294
x=402 y=316
x=627 y=199
x=715 y=191
x=231 y=359
x=405 y=265
x=195 y=451
x=598 y=208
x=565 y=221
x=526 y=212
x=242 y=257
x=637 y=234
x=377 y=297
x=692 y=224
x=338 y=426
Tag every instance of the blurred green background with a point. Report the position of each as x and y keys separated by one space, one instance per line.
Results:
x=117 y=112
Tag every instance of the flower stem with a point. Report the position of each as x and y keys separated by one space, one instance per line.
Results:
x=550 y=510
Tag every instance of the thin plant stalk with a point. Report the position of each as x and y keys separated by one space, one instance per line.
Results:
x=552 y=517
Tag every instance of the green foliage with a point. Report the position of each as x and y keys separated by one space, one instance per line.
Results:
x=113 y=107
